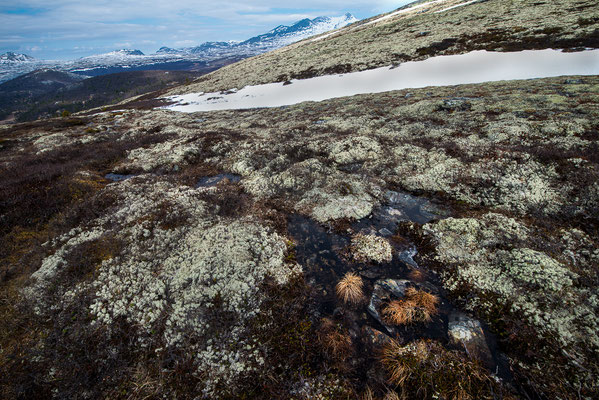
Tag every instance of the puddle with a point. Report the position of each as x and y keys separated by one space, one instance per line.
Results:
x=210 y=181
x=318 y=251
x=399 y=207
x=117 y=177
x=321 y=254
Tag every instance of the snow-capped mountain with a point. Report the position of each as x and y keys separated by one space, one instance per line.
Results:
x=119 y=58
x=15 y=57
x=166 y=58
x=168 y=50
x=278 y=37
x=14 y=64
x=284 y=35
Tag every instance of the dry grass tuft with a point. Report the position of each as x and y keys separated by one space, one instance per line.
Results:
x=392 y=396
x=367 y=395
x=399 y=312
x=417 y=275
x=427 y=301
x=349 y=289
x=418 y=306
x=427 y=368
x=398 y=371
x=337 y=344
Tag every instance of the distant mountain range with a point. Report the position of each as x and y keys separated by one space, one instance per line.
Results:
x=191 y=58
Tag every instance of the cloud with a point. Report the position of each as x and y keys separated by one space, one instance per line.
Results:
x=99 y=24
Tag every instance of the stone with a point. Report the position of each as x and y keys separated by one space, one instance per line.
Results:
x=455 y=104
x=467 y=333
x=385 y=290
x=374 y=338
x=407 y=257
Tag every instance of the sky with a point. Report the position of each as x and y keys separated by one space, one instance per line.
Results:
x=69 y=29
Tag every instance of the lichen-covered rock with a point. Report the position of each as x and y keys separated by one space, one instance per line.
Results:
x=374 y=339
x=467 y=333
x=371 y=248
x=538 y=288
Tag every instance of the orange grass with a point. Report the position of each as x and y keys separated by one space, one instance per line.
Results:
x=349 y=289
x=417 y=306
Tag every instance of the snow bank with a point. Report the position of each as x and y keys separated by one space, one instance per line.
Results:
x=405 y=10
x=474 y=67
x=456 y=6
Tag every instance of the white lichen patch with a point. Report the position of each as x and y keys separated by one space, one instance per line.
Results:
x=535 y=285
x=197 y=280
x=534 y=268
x=522 y=186
x=355 y=149
x=168 y=154
x=371 y=248
x=420 y=169
x=327 y=207
x=52 y=265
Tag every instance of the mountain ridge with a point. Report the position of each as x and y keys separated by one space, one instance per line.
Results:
x=133 y=59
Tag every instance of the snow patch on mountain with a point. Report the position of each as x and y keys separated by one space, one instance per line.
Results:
x=15 y=58
x=13 y=65
x=278 y=37
x=456 y=6
x=473 y=67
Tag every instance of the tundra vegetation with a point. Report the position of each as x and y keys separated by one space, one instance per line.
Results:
x=150 y=286
x=122 y=277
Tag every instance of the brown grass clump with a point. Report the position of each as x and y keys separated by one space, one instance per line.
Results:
x=417 y=306
x=337 y=344
x=367 y=395
x=398 y=372
x=392 y=396
x=423 y=299
x=349 y=289
x=417 y=275
x=399 y=312
x=429 y=370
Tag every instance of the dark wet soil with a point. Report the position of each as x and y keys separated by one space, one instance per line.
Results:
x=118 y=177
x=324 y=256
x=210 y=181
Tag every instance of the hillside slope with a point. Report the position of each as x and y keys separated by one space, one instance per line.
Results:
x=435 y=243
x=420 y=31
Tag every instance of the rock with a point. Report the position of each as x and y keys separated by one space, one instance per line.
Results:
x=385 y=232
x=467 y=333
x=573 y=82
x=397 y=287
x=371 y=273
x=385 y=290
x=374 y=338
x=455 y=104
x=407 y=257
